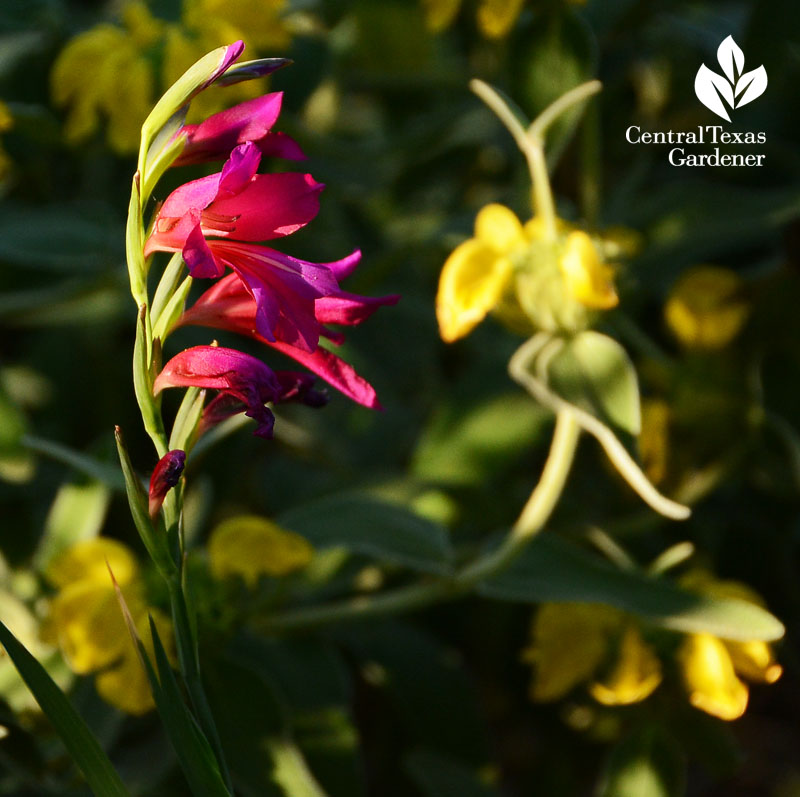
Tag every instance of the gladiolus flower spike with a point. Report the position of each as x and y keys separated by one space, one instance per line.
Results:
x=219 y=223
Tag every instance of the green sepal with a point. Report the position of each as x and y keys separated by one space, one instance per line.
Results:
x=134 y=245
x=167 y=285
x=154 y=539
x=162 y=153
x=143 y=383
x=172 y=311
x=194 y=80
x=187 y=421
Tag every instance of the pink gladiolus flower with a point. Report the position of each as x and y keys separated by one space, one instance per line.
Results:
x=217 y=136
x=245 y=383
x=165 y=476
x=227 y=305
x=207 y=220
x=239 y=377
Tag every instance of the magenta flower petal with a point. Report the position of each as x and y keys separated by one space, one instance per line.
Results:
x=166 y=475
x=350 y=309
x=230 y=55
x=227 y=305
x=270 y=206
x=199 y=258
x=250 y=121
x=279 y=145
x=232 y=372
x=345 y=267
x=335 y=371
x=238 y=171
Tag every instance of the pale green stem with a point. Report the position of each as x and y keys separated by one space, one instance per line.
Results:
x=533 y=150
x=534 y=516
x=531 y=141
x=580 y=93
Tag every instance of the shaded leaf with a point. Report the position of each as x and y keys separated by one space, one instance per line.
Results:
x=552 y=569
x=593 y=372
x=648 y=763
x=365 y=525
x=83 y=747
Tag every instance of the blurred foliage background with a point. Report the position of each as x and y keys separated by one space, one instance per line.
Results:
x=435 y=703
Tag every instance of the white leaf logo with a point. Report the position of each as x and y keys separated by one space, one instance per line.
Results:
x=734 y=88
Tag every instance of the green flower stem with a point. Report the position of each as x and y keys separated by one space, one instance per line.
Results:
x=145 y=359
x=531 y=141
x=189 y=661
x=533 y=518
x=532 y=147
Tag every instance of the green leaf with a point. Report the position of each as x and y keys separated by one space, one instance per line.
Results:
x=83 y=747
x=438 y=776
x=469 y=446
x=191 y=746
x=102 y=471
x=648 y=763
x=593 y=372
x=552 y=569
x=365 y=525
x=154 y=539
x=77 y=513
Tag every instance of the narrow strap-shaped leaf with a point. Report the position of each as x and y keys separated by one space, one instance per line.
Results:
x=191 y=746
x=81 y=743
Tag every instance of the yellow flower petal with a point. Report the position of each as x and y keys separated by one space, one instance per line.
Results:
x=535 y=228
x=710 y=678
x=635 y=675
x=569 y=642
x=89 y=624
x=252 y=546
x=439 y=14
x=90 y=560
x=497 y=17
x=471 y=284
x=498 y=228
x=588 y=278
x=705 y=309
x=754 y=660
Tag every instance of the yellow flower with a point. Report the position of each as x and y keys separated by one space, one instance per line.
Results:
x=87 y=621
x=711 y=666
x=529 y=281
x=259 y=23
x=570 y=642
x=439 y=14
x=251 y=546
x=706 y=308
x=104 y=72
x=634 y=676
x=495 y=18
